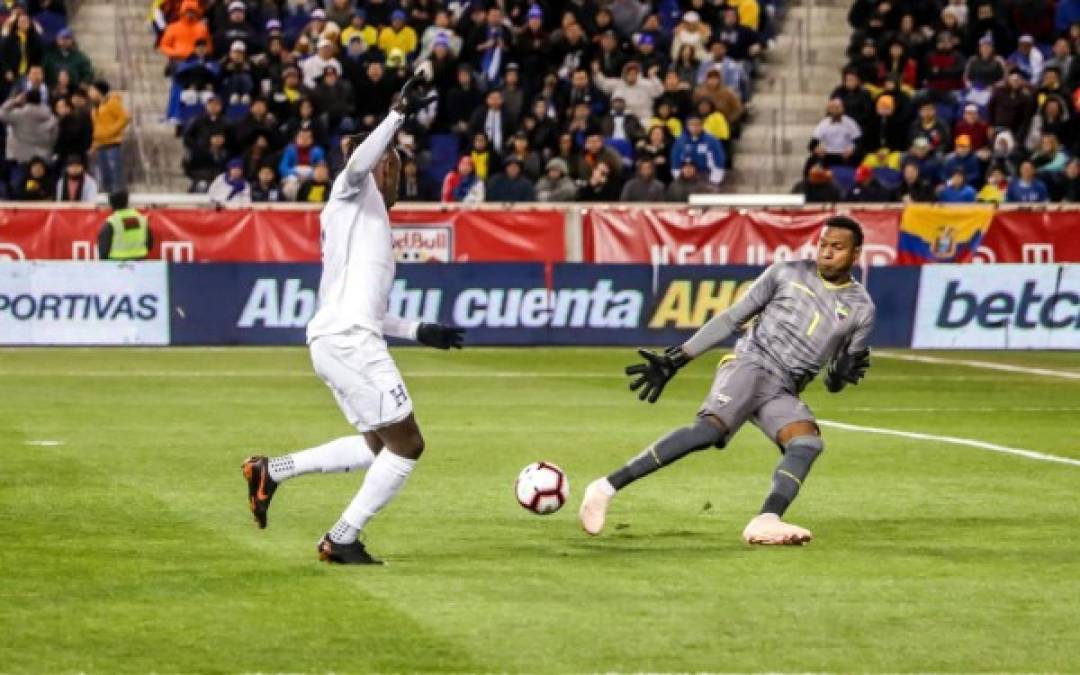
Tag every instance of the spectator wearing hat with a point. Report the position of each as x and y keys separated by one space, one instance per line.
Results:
x=439 y=31
x=868 y=189
x=556 y=185
x=922 y=153
x=638 y=92
x=1026 y=188
x=511 y=185
x=943 y=68
x=692 y=32
x=984 y=69
x=705 y=151
x=236 y=28
x=316 y=187
x=462 y=185
x=1027 y=59
x=885 y=129
x=972 y=125
x=359 y=26
x=31 y=130
x=687 y=182
x=237 y=80
x=957 y=190
x=285 y=99
x=76 y=184
x=649 y=54
x=964 y=158
x=230 y=187
x=644 y=186
x=315 y=26
x=178 y=40
x=530 y=49
x=1011 y=106
x=867 y=65
x=64 y=55
x=837 y=135
x=315 y=65
x=398 y=35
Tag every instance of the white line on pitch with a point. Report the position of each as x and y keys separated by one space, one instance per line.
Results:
x=971 y=443
x=987 y=365
x=44 y=444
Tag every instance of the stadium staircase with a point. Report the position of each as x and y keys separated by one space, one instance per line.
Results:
x=798 y=74
x=116 y=35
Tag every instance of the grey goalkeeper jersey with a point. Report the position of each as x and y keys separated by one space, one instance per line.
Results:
x=800 y=322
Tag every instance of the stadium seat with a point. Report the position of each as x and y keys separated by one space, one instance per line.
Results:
x=844 y=177
x=444 y=155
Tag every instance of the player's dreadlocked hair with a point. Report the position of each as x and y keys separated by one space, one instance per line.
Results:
x=849 y=224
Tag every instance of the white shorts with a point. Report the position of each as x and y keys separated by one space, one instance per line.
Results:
x=363 y=378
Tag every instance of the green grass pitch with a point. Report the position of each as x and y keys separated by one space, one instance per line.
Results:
x=126 y=544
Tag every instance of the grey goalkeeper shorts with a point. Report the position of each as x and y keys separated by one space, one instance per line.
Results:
x=743 y=390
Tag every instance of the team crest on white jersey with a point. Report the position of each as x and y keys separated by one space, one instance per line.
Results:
x=841 y=312
x=722 y=399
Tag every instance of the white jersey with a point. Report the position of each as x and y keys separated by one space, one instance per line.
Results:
x=357 y=248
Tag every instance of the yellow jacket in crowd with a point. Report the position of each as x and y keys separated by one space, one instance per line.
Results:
x=110 y=119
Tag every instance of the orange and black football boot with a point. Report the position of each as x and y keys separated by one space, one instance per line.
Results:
x=345 y=554
x=261 y=487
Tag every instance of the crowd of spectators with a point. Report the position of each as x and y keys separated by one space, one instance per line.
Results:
x=62 y=129
x=536 y=100
x=953 y=101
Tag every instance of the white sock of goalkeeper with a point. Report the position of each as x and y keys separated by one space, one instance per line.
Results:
x=383 y=481
x=348 y=453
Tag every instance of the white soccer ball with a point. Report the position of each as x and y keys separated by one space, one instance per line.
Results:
x=542 y=488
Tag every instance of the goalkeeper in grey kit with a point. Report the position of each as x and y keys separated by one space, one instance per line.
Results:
x=805 y=315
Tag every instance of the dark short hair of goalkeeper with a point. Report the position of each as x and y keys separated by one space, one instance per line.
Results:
x=849 y=224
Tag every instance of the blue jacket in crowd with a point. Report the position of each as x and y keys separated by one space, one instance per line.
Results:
x=705 y=151
x=1033 y=192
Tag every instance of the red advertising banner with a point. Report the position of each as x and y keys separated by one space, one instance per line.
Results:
x=725 y=237
x=1032 y=237
x=204 y=235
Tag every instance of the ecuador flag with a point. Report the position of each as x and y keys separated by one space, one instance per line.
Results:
x=941 y=234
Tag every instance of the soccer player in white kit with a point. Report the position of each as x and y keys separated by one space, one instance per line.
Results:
x=348 y=350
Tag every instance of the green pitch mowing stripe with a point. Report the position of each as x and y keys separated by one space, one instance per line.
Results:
x=127 y=545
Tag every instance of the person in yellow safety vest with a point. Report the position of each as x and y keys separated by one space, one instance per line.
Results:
x=126 y=232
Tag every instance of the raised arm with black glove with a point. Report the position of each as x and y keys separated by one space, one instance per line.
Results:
x=653 y=375
x=411 y=99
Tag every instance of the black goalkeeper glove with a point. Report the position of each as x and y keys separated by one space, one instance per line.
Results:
x=411 y=100
x=439 y=336
x=654 y=374
x=847 y=369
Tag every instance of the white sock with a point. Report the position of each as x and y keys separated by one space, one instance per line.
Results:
x=384 y=479
x=605 y=486
x=343 y=454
